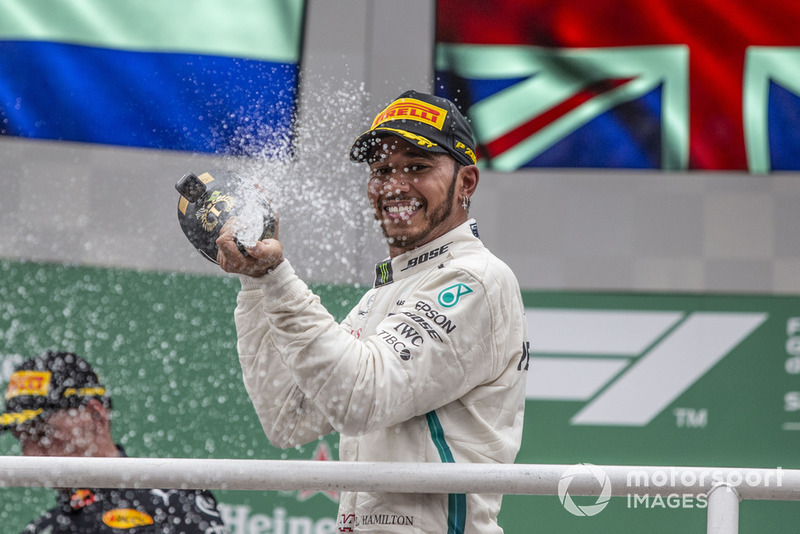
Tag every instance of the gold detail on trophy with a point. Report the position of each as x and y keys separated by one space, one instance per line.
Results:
x=214 y=207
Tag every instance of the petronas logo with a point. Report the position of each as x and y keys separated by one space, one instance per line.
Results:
x=450 y=296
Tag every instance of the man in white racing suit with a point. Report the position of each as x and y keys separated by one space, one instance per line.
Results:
x=430 y=365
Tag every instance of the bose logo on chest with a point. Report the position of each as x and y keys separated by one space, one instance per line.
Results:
x=422 y=258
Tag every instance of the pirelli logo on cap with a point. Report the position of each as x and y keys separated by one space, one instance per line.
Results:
x=28 y=383
x=414 y=110
x=85 y=392
x=468 y=151
x=17 y=418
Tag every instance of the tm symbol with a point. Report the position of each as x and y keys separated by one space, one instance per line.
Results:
x=690 y=417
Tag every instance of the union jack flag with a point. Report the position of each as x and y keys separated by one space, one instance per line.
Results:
x=656 y=84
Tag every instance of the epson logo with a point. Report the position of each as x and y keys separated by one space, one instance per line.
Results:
x=627 y=366
x=438 y=318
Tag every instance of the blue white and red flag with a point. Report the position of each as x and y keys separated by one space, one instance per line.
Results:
x=194 y=75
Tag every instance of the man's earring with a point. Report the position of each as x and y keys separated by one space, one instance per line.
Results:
x=465 y=202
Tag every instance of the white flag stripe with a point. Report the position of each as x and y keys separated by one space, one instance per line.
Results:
x=659 y=377
x=573 y=379
x=596 y=332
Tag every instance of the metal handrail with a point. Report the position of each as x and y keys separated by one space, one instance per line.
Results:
x=723 y=487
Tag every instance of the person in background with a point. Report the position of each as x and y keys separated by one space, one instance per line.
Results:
x=430 y=366
x=56 y=406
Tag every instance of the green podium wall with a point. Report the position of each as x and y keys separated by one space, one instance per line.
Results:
x=165 y=346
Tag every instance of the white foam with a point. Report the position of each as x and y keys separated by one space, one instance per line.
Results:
x=326 y=224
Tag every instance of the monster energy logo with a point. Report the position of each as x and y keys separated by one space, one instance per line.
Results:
x=383 y=273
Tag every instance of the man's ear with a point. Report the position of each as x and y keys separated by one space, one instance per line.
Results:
x=469 y=180
x=98 y=412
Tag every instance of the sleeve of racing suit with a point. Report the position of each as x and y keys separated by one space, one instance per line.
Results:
x=449 y=325
x=287 y=417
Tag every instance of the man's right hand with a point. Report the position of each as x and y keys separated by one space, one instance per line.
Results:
x=264 y=256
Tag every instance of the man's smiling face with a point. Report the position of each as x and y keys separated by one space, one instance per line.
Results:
x=413 y=193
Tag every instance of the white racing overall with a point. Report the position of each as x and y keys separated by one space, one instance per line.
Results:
x=428 y=367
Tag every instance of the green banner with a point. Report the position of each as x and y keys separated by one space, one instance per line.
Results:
x=632 y=379
x=662 y=380
x=165 y=346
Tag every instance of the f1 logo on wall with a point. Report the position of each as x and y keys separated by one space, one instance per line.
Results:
x=627 y=365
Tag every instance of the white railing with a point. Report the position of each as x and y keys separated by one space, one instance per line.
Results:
x=723 y=487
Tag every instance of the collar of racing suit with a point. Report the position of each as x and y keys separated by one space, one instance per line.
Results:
x=429 y=255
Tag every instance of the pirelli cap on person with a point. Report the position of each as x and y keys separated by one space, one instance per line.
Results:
x=48 y=383
x=432 y=122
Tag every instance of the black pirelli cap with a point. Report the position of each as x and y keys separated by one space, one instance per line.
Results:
x=432 y=122
x=48 y=383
